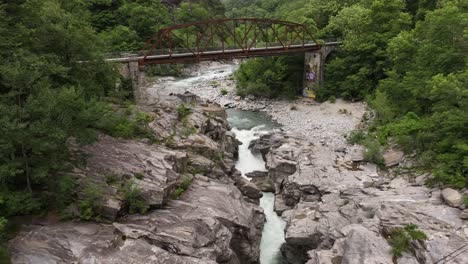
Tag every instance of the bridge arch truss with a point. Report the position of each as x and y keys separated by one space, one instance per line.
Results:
x=219 y=39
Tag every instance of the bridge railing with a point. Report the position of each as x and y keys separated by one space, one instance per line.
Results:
x=175 y=51
x=221 y=49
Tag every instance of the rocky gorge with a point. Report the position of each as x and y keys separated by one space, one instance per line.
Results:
x=189 y=226
x=337 y=207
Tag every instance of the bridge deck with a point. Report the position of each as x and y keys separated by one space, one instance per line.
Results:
x=220 y=54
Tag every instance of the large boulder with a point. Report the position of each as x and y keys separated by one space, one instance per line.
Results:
x=393 y=157
x=88 y=243
x=112 y=163
x=247 y=188
x=452 y=197
x=261 y=180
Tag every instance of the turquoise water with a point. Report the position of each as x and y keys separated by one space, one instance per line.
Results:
x=248 y=126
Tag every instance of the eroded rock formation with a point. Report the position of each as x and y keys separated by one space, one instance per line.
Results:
x=215 y=220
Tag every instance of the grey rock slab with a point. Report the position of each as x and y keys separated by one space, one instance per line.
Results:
x=452 y=197
x=393 y=157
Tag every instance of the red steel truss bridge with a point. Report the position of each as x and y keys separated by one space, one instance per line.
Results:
x=226 y=38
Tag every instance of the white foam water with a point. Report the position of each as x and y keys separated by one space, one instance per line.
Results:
x=273 y=230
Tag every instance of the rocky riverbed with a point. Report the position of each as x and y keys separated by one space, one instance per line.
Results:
x=337 y=207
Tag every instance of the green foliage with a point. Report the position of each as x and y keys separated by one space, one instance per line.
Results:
x=90 y=206
x=112 y=178
x=373 y=148
x=223 y=91
x=120 y=38
x=183 y=111
x=126 y=122
x=271 y=77
x=400 y=238
x=365 y=28
x=4 y=255
x=356 y=137
x=183 y=186
x=3 y=222
x=133 y=198
x=165 y=70
x=332 y=99
x=373 y=152
x=422 y=104
x=139 y=176
x=62 y=192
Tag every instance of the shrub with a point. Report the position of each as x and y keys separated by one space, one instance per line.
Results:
x=4 y=255
x=133 y=199
x=123 y=92
x=18 y=203
x=184 y=185
x=126 y=122
x=373 y=152
x=111 y=178
x=271 y=77
x=139 y=175
x=90 y=206
x=224 y=91
x=332 y=99
x=62 y=192
x=356 y=137
x=183 y=111
x=400 y=238
x=3 y=222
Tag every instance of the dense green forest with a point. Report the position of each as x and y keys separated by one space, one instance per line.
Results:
x=50 y=101
x=407 y=59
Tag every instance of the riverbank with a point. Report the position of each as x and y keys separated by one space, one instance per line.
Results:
x=326 y=123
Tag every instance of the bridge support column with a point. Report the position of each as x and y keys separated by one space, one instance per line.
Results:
x=130 y=70
x=313 y=72
x=314 y=69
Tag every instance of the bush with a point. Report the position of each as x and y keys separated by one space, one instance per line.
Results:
x=112 y=178
x=183 y=111
x=4 y=255
x=356 y=137
x=125 y=123
x=271 y=77
x=400 y=238
x=184 y=185
x=223 y=91
x=62 y=192
x=373 y=152
x=332 y=99
x=133 y=198
x=139 y=175
x=90 y=206
x=165 y=70
x=19 y=203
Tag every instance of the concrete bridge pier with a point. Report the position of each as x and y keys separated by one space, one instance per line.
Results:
x=314 y=69
x=130 y=70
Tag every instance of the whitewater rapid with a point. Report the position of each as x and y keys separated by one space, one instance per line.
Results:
x=249 y=126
